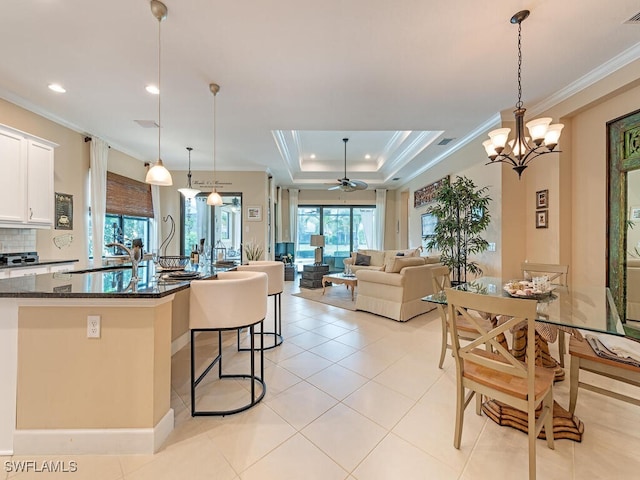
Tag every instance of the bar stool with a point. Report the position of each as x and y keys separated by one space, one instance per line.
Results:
x=233 y=301
x=275 y=273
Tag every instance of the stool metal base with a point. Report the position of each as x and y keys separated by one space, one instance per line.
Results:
x=277 y=325
x=218 y=360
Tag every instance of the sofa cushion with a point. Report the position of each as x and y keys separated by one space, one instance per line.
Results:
x=363 y=260
x=398 y=263
x=430 y=260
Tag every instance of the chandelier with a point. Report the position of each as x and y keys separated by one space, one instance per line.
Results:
x=522 y=149
x=189 y=192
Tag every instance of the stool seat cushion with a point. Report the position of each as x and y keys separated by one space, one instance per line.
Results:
x=233 y=300
x=275 y=271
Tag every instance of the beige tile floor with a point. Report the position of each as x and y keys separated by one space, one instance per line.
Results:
x=355 y=396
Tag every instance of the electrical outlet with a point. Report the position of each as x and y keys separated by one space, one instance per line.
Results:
x=93 y=326
x=492 y=247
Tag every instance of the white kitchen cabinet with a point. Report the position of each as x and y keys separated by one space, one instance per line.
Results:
x=23 y=272
x=13 y=177
x=26 y=183
x=61 y=267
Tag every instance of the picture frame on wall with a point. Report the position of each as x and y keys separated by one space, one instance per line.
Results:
x=254 y=214
x=542 y=219
x=634 y=214
x=63 y=211
x=542 y=199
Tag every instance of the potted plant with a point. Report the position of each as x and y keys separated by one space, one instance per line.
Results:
x=253 y=251
x=463 y=214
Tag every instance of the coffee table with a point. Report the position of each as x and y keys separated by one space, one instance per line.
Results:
x=340 y=278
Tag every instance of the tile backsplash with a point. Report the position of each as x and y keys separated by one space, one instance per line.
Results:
x=16 y=240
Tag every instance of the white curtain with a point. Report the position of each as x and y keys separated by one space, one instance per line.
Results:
x=279 y=216
x=293 y=217
x=99 y=154
x=381 y=206
x=156 y=225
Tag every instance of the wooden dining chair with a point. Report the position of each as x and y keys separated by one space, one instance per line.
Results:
x=441 y=279
x=557 y=275
x=498 y=374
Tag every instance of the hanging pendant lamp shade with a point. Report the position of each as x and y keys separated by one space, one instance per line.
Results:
x=188 y=191
x=214 y=197
x=158 y=174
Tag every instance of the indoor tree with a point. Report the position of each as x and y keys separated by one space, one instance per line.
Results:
x=463 y=214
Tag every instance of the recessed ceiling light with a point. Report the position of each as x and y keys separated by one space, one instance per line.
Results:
x=57 y=88
x=367 y=156
x=312 y=156
x=152 y=89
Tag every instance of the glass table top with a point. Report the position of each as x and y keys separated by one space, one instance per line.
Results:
x=585 y=307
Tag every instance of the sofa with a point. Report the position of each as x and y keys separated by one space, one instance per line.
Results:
x=396 y=290
x=368 y=259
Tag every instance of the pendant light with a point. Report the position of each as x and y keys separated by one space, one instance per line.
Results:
x=188 y=191
x=522 y=149
x=158 y=174
x=214 y=197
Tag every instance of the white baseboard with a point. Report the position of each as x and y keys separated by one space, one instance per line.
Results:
x=110 y=441
x=180 y=342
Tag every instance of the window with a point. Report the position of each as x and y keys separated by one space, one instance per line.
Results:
x=124 y=229
x=129 y=211
x=345 y=229
x=207 y=225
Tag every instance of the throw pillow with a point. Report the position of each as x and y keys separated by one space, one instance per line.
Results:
x=400 y=262
x=363 y=260
x=400 y=254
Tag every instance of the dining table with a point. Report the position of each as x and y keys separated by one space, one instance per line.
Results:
x=573 y=309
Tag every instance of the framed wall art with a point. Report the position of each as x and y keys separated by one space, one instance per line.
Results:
x=428 y=193
x=542 y=219
x=542 y=199
x=64 y=211
x=254 y=214
x=634 y=214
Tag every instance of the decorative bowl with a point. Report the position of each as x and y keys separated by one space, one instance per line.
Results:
x=176 y=262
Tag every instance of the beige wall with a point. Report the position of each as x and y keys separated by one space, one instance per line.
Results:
x=252 y=185
x=67 y=381
x=70 y=176
x=71 y=166
x=482 y=176
x=576 y=180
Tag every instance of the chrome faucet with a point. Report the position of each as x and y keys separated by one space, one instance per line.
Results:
x=135 y=254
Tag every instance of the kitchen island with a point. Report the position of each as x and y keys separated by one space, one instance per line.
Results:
x=65 y=393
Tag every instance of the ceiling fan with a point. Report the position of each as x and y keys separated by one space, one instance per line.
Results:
x=344 y=183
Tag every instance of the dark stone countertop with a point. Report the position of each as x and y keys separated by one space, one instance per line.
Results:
x=105 y=282
x=39 y=263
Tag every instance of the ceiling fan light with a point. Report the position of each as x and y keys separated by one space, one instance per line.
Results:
x=538 y=129
x=214 y=199
x=159 y=175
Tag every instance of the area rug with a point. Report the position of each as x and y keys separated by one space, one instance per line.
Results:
x=336 y=295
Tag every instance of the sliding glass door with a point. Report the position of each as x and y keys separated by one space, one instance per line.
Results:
x=345 y=229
